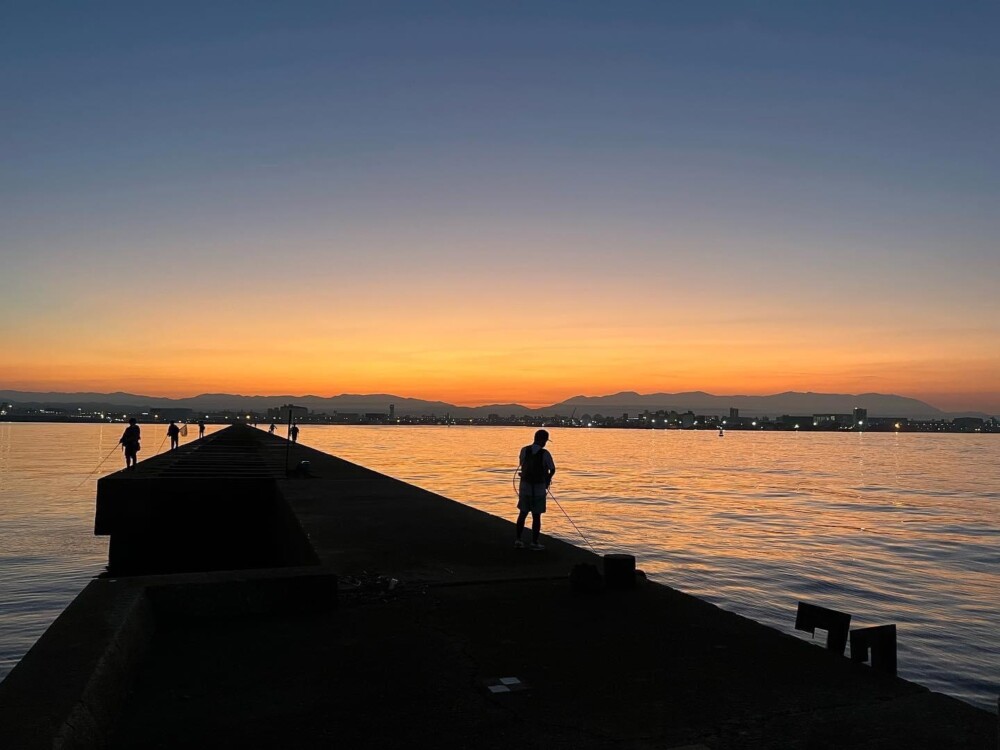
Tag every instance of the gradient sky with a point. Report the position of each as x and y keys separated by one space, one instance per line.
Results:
x=501 y=201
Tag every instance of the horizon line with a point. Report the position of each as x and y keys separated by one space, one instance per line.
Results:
x=527 y=405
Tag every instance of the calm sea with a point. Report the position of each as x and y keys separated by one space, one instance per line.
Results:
x=891 y=528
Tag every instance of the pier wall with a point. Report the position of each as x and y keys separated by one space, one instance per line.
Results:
x=69 y=689
x=211 y=505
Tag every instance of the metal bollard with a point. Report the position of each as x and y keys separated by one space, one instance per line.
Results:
x=881 y=642
x=836 y=624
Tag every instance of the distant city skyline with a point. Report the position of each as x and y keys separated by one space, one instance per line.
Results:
x=481 y=203
x=988 y=402
x=883 y=404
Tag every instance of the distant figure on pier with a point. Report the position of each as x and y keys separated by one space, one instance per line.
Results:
x=130 y=443
x=175 y=434
x=536 y=468
x=271 y=429
x=721 y=433
x=201 y=429
x=294 y=432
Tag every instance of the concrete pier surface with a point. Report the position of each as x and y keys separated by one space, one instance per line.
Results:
x=369 y=613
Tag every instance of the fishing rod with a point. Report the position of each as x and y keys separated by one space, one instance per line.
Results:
x=513 y=482
x=113 y=449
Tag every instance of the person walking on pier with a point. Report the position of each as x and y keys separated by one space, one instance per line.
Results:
x=201 y=429
x=175 y=434
x=536 y=467
x=130 y=443
x=272 y=428
x=294 y=432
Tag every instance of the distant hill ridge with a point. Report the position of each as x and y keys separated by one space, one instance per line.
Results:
x=790 y=402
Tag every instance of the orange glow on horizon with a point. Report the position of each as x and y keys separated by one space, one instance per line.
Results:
x=487 y=348
x=473 y=384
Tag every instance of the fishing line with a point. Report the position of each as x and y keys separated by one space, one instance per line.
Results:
x=513 y=481
x=161 y=444
x=113 y=449
x=571 y=521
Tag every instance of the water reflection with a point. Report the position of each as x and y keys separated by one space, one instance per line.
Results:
x=892 y=528
x=47 y=548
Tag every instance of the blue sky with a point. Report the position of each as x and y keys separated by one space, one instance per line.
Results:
x=786 y=157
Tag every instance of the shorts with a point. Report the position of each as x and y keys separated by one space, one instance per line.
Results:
x=531 y=497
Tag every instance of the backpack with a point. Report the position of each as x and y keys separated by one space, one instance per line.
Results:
x=533 y=467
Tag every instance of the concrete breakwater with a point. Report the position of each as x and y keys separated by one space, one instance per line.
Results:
x=252 y=606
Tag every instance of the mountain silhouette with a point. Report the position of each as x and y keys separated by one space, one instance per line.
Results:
x=791 y=402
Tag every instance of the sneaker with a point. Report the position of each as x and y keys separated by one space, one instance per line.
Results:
x=536 y=546
x=518 y=544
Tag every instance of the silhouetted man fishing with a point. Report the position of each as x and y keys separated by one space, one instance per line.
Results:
x=536 y=467
x=175 y=434
x=130 y=443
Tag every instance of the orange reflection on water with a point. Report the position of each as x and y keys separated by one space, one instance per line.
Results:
x=889 y=527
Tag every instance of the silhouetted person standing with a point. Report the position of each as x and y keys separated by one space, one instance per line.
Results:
x=175 y=434
x=271 y=429
x=294 y=432
x=536 y=467
x=130 y=443
x=201 y=429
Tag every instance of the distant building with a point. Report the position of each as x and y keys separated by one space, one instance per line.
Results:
x=967 y=424
x=169 y=414
x=832 y=421
x=734 y=413
x=887 y=424
x=281 y=413
x=860 y=418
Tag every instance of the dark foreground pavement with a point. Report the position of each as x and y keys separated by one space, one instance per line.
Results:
x=434 y=607
x=644 y=669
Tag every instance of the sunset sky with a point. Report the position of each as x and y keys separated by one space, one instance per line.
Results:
x=505 y=201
